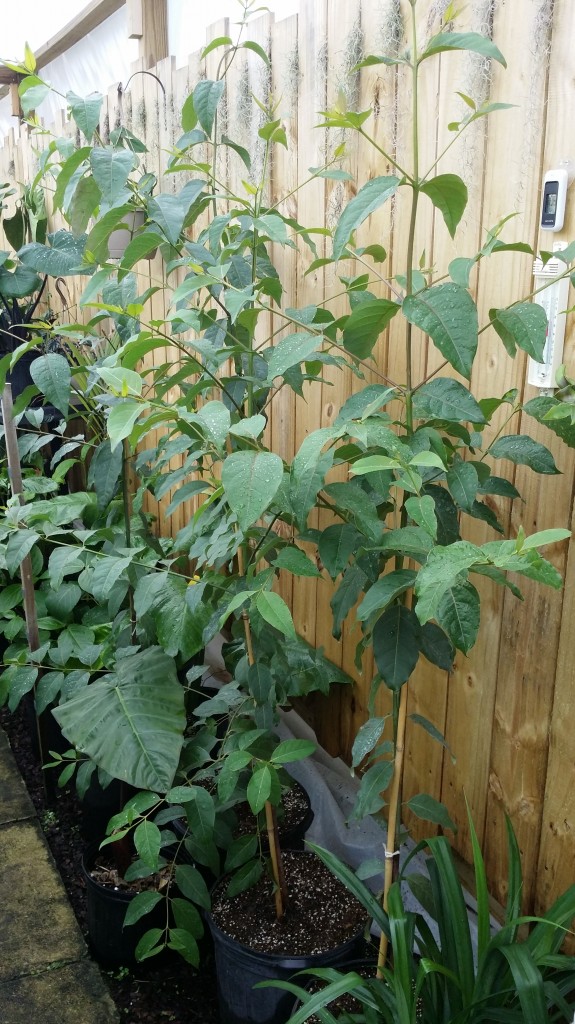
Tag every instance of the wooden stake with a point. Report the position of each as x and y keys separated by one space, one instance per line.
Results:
x=30 y=614
x=391 y=851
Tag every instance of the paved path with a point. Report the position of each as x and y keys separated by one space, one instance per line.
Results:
x=46 y=976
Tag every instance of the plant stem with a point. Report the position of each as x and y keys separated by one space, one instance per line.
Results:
x=280 y=894
x=394 y=819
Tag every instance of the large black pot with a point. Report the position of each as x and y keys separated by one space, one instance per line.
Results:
x=111 y=943
x=239 y=969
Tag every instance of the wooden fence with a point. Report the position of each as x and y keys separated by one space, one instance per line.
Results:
x=508 y=710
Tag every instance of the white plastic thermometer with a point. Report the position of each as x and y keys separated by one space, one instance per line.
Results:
x=554 y=300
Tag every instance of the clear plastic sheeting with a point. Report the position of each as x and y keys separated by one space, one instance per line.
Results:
x=188 y=21
x=93 y=64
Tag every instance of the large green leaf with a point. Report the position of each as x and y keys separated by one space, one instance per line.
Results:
x=169 y=212
x=384 y=591
x=18 y=283
x=52 y=376
x=463 y=483
x=449 y=194
x=448 y=314
x=308 y=473
x=373 y=784
x=369 y=198
x=335 y=546
x=473 y=42
x=445 y=567
x=366 y=739
x=396 y=645
x=104 y=472
x=525 y=325
x=251 y=481
x=291 y=351
x=446 y=399
x=524 y=451
x=122 y=418
x=348 y=592
x=111 y=168
x=365 y=324
x=86 y=111
x=20 y=544
x=207 y=95
x=541 y=409
x=296 y=561
x=274 y=610
x=84 y=204
x=132 y=725
x=429 y=809
x=458 y=614
x=61 y=258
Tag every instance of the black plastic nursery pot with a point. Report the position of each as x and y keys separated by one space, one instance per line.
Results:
x=112 y=944
x=239 y=968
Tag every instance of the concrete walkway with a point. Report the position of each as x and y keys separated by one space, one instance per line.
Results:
x=46 y=976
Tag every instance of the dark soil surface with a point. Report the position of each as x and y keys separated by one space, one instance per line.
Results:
x=314 y=896
x=149 y=994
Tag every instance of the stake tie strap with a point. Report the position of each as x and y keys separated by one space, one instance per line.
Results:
x=389 y=854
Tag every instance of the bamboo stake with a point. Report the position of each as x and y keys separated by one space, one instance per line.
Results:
x=26 y=574
x=391 y=851
x=280 y=894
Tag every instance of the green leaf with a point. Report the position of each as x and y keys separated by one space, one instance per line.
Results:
x=67 y=172
x=369 y=198
x=131 y=726
x=148 y=944
x=446 y=399
x=52 y=376
x=252 y=426
x=448 y=314
x=336 y=545
x=105 y=573
x=84 y=203
x=62 y=258
x=20 y=544
x=289 y=751
x=259 y=789
x=445 y=567
x=104 y=473
x=367 y=737
x=191 y=884
x=524 y=325
x=189 y=116
x=346 y=595
x=256 y=48
x=274 y=610
x=86 y=111
x=214 y=419
x=436 y=646
x=384 y=591
x=463 y=483
x=373 y=784
x=148 y=840
x=251 y=481
x=184 y=944
x=470 y=41
x=524 y=451
x=141 y=245
x=240 y=851
x=122 y=419
x=429 y=809
x=111 y=168
x=542 y=537
x=308 y=472
x=449 y=194
x=170 y=212
x=422 y=512
x=396 y=645
x=245 y=877
x=458 y=614
x=17 y=681
x=296 y=561
x=33 y=92
x=140 y=905
x=213 y=45
x=201 y=814
x=291 y=351
x=207 y=95
x=365 y=324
